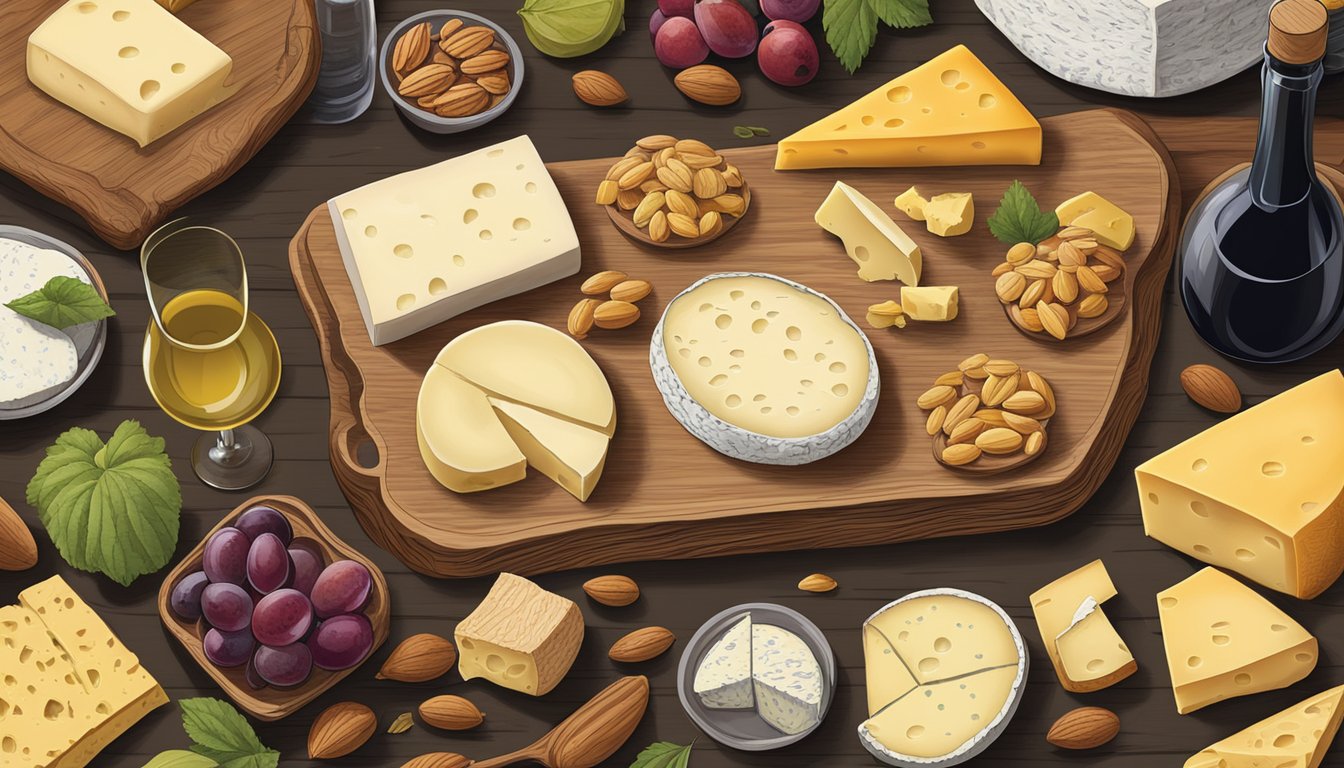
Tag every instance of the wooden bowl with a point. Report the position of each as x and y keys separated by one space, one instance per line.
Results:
x=272 y=703
x=989 y=464
x=625 y=222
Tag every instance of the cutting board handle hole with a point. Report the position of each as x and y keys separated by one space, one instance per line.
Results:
x=366 y=453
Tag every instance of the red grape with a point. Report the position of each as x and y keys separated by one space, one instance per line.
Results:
x=226 y=606
x=678 y=43
x=251 y=675
x=343 y=587
x=285 y=666
x=788 y=54
x=282 y=617
x=307 y=567
x=268 y=564
x=790 y=10
x=186 y=598
x=263 y=519
x=729 y=30
x=225 y=556
x=228 y=649
x=671 y=8
x=655 y=22
x=341 y=642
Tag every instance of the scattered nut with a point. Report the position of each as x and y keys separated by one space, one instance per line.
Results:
x=1211 y=388
x=987 y=408
x=1084 y=728
x=685 y=180
x=817 y=582
x=611 y=315
x=451 y=713
x=418 y=659
x=465 y=74
x=642 y=645
x=614 y=591
x=1048 y=287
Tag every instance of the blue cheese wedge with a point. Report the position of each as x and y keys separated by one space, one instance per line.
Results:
x=723 y=679
x=34 y=358
x=786 y=678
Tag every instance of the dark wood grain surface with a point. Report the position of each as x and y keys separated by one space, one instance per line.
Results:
x=266 y=203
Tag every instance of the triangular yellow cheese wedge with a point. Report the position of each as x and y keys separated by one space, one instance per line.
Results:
x=1297 y=737
x=572 y=455
x=949 y=111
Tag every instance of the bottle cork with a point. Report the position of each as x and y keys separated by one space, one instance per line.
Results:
x=1297 y=31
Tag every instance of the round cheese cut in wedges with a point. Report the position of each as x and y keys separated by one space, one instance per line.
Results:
x=764 y=369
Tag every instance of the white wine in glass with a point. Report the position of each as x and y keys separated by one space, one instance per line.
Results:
x=210 y=363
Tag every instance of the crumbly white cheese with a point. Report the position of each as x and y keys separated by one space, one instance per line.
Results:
x=34 y=357
x=787 y=679
x=723 y=679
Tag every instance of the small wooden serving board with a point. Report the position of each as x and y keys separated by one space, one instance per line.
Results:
x=664 y=495
x=124 y=191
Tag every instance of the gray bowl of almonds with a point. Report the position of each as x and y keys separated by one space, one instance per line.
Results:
x=450 y=71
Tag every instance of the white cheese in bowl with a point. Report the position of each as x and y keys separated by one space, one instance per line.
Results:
x=34 y=357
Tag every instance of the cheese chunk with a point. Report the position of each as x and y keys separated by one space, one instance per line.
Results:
x=871 y=238
x=1083 y=646
x=930 y=303
x=786 y=679
x=1224 y=640
x=520 y=637
x=912 y=204
x=463 y=442
x=1297 y=737
x=130 y=65
x=570 y=454
x=430 y=244
x=1259 y=493
x=937 y=720
x=946 y=635
x=35 y=359
x=950 y=214
x=949 y=111
x=1111 y=225
x=723 y=679
x=886 y=675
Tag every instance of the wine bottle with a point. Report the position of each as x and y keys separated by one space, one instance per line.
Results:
x=1262 y=256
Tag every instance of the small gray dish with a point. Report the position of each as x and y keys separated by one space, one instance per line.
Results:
x=742 y=728
x=428 y=120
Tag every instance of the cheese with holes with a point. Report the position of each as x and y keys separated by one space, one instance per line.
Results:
x=430 y=244
x=933 y=722
x=1260 y=492
x=130 y=65
x=70 y=687
x=871 y=238
x=510 y=395
x=886 y=675
x=764 y=369
x=1224 y=640
x=1109 y=222
x=35 y=359
x=930 y=303
x=723 y=678
x=520 y=637
x=786 y=678
x=940 y=636
x=911 y=203
x=1136 y=47
x=950 y=214
x=1297 y=737
x=950 y=110
x=1085 y=649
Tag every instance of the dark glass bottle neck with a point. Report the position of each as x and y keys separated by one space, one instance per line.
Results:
x=1283 y=170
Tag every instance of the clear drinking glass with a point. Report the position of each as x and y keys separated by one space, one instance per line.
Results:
x=210 y=363
x=345 y=82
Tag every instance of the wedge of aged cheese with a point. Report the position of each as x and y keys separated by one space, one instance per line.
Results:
x=1259 y=493
x=886 y=675
x=764 y=369
x=75 y=686
x=130 y=65
x=463 y=442
x=430 y=244
x=950 y=110
x=34 y=358
x=1111 y=224
x=930 y=303
x=941 y=636
x=871 y=238
x=1083 y=646
x=911 y=203
x=936 y=720
x=520 y=637
x=572 y=455
x=1297 y=737
x=950 y=214
x=1224 y=640
x=786 y=679
x=723 y=679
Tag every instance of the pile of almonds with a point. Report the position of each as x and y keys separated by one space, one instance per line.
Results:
x=674 y=188
x=458 y=71
x=618 y=309
x=1049 y=287
x=988 y=407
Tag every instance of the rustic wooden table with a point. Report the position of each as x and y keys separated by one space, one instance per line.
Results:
x=264 y=205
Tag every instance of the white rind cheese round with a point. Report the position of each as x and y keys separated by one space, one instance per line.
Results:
x=812 y=389
x=36 y=360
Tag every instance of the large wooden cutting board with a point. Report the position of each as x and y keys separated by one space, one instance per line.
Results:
x=124 y=191
x=665 y=495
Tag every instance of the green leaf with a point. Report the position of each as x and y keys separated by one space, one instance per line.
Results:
x=903 y=14
x=757 y=130
x=63 y=302
x=567 y=28
x=180 y=758
x=851 y=28
x=223 y=735
x=112 y=509
x=1020 y=220
x=663 y=754
x=742 y=132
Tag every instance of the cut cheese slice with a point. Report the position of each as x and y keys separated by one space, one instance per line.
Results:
x=871 y=238
x=1087 y=653
x=936 y=722
x=949 y=111
x=931 y=303
x=1224 y=640
x=1111 y=225
x=912 y=204
x=1297 y=737
x=941 y=636
x=886 y=676
x=570 y=454
x=786 y=678
x=1259 y=493
x=723 y=679
x=463 y=442
x=950 y=214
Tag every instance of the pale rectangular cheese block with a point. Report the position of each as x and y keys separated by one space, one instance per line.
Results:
x=723 y=679
x=886 y=675
x=1223 y=640
x=34 y=357
x=571 y=455
x=787 y=679
x=1260 y=492
x=945 y=636
x=1297 y=737
x=931 y=303
x=872 y=240
x=1084 y=648
x=429 y=244
x=936 y=720
x=520 y=637
x=130 y=65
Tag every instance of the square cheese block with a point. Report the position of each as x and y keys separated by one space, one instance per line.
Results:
x=950 y=110
x=1260 y=492
x=930 y=303
x=130 y=65
x=429 y=244
x=1085 y=649
x=520 y=637
x=1223 y=640
x=1297 y=737
x=786 y=678
x=873 y=241
x=1111 y=224
x=723 y=678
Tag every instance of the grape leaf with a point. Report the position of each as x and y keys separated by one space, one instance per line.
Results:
x=112 y=509
x=64 y=301
x=1019 y=219
x=180 y=758
x=663 y=754
x=223 y=735
x=851 y=25
x=903 y=14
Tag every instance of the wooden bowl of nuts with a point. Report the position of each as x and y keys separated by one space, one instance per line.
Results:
x=674 y=193
x=450 y=71
x=1067 y=286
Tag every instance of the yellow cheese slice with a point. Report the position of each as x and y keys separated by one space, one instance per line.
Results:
x=569 y=454
x=871 y=238
x=946 y=636
x=935 y=720
x=1223 y=640
x=949 y=111
x=1259 y=493
x=1096 y=656
x=1297 y=737
x=520 y=637
x=930 y=303
x=887 y=677
x=462 y=441
x=1108 y=221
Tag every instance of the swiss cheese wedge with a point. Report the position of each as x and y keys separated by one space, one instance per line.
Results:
x=1297 y=737
x=1086 y=651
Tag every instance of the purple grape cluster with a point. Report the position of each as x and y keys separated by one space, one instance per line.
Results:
x=685 y=32
x=265 y=599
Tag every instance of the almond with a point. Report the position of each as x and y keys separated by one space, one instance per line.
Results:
x=677 y=175
x=1026 y=318
x=467 y=42
x=642 y=645
x=711 y=223
x=1035 y=443
x=485 y=61
x=418 y=659
x=708 y=84
x=615 y=591
x=412 y=49
x=966 y=431
x=631 y=290
x=997 y=389
x=18 y=550
x=602 y=282
x=580 y=320
x=680 y=202
x=451 y=713
x=449 y=28
x=695 y=147
x=1211 y=388
x=1025 y=402
x=817 y=582
x=656 y=142
x=437 y=760
x=973 y=362
x=951 y=378
x=683 y=225
x=619 y=168
x=637 y=175
x=651 y=204
x=495 y=83
x=628 y=199
x=607 y=191
x=1054 y=319
x=999 y=441
x=1021 y=253
x=659 y=230
x=462 y=100
x=936 y=396
x=1010 y=286
x=1084 y=728
x=957 y=455
x=708 y=184
x=341 y=728
x=598 y=89
x=937 y=417
x=615 y=314
x=427 y=80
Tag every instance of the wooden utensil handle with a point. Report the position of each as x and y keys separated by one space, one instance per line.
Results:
x=513 y=758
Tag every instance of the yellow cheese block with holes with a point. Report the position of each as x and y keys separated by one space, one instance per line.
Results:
x=950 y=214
x=949 y=111
x=520 y=637
x=1085 y=650
x=887 y=677
x=873 y=241
x=1223 y=640
x=930 y=303
x=1297 y=737
x=1111 y=224
x=1260 y=492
